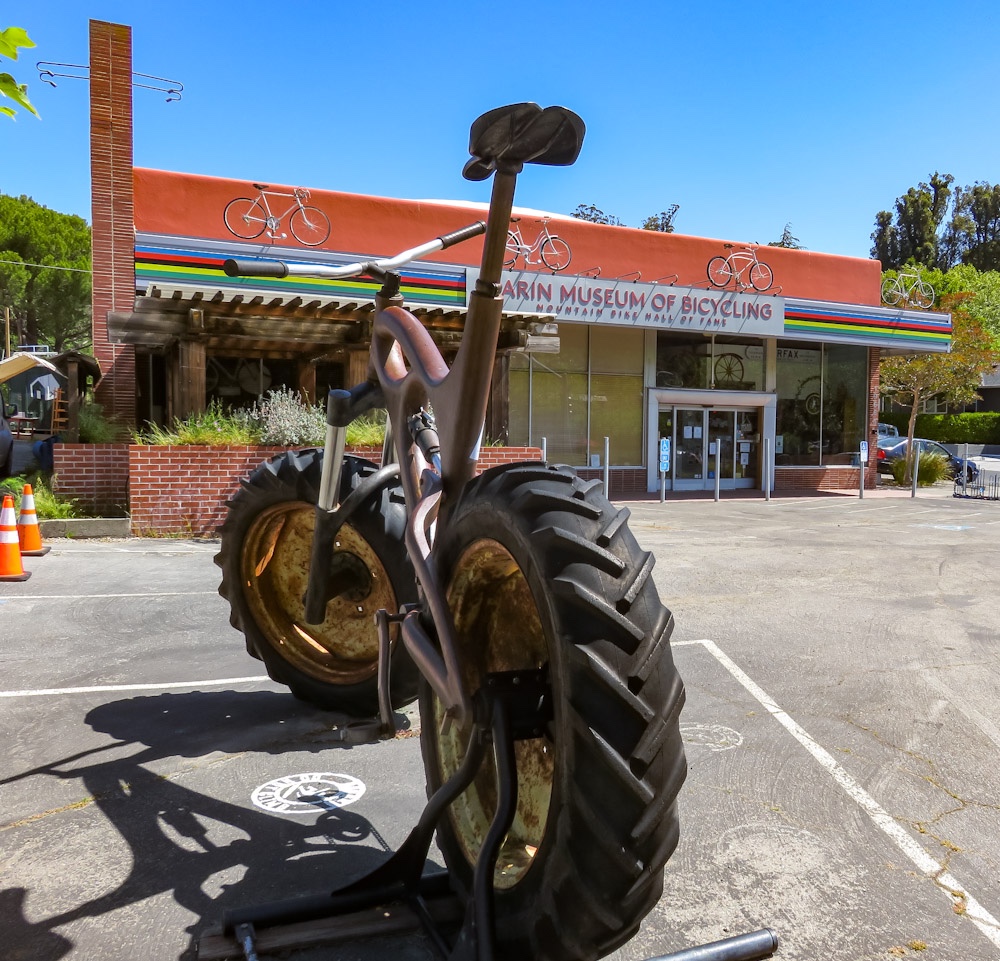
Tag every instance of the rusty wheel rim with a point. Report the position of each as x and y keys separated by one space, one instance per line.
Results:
x=498 y=628
x=275 y=565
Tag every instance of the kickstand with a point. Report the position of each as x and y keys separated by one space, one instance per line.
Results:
x=401 y=878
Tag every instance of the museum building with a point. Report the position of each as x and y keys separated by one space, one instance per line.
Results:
x=763 y=371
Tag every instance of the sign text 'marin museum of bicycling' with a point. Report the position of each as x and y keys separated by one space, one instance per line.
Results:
x=627 y=303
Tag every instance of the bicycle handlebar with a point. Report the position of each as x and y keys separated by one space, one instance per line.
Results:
x=238 y=267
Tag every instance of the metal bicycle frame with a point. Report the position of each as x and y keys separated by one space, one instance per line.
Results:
x=277 y=219
x=525 y=250
x=748 y=257
x=411 y=374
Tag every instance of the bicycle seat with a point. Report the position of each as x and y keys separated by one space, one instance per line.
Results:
x=509 y=137
x=261 y=186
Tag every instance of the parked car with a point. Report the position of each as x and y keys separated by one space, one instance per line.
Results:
x=887 y=430
x=891 y=449
x=6 y=441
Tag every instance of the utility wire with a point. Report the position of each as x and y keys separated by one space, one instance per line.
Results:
x=25 y=263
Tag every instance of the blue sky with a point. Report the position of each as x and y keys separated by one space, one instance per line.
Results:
x=750 y=115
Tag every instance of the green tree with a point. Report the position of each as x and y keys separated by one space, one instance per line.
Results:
x=45 y=273
x=921 y=231
x=913 y=234
x=663 y=221
x=595 y=215
x=911 y=380
x=787 y=240
x=11 y=40
x=973 y=234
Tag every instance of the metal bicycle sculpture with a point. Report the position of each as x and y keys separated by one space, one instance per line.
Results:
x=553 y=251
x=738 y=262
x=247 y=218
x=907 y=288
x=516 y=605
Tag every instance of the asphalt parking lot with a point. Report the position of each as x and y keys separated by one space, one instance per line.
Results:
x=842 y=729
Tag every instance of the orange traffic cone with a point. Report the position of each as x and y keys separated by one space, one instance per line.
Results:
x=10 y=550
x=28 y=531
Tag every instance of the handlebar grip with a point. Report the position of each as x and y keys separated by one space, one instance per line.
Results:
x=254 y=268
x=465 y=233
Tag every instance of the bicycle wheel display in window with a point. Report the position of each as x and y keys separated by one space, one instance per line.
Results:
x=309 y=226
x=719 y=272
x=555 y=253
x=245 y=218
x=728 y=369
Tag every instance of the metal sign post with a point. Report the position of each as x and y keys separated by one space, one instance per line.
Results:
x=664 y=466
x=716 y=448
x=767 y=468
x=862 y=463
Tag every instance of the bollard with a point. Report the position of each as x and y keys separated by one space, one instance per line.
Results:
x=607 y=468
x=718 y=461
x=545 y=451
x=767 y=468
x=916 y=468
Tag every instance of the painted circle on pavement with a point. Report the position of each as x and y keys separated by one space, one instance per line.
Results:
x=308 y=793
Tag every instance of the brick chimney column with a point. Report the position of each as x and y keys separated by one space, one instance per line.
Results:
x=112 y=210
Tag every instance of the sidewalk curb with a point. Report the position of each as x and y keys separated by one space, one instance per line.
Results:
x=87 y=527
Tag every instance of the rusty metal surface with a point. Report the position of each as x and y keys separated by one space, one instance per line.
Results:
x=344 y=648
x=498 y=628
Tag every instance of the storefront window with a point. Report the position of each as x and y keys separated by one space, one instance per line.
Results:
x=683 y=360
x=845 y=388
x=800 y=401
x=738 y=363
x=595 y=379
x=704 y=362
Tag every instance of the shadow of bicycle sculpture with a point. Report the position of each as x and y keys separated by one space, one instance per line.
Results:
x=177 y=836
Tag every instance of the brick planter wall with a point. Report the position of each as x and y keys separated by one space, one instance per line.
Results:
x=821 y=478
x=183 y=489
x=94 y=475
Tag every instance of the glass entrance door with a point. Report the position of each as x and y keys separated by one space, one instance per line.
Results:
x=708 y=440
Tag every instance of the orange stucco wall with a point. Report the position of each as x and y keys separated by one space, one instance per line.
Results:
x=191 y=206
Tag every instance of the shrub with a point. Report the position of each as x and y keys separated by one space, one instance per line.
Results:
x=932 y=468
x=281 y=418
x=96 y=428
x=48 y=505
x=284 y=419
x=214 y=426
x=973 y=427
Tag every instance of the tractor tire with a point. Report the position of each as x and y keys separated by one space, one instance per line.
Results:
x=264 y=555
x=541 y=570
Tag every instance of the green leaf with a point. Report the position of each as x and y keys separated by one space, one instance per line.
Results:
x=10 y=88
x=11 y=39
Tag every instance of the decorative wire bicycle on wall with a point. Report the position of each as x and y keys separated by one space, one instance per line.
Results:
x=907 y=288
x=247 y=218
x=553 y=252
x=739 y=262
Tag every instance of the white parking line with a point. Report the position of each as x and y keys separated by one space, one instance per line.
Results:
x=111 y=688
x=934 y=870
x=80 y=597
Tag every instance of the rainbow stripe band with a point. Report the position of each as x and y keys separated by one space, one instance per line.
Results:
x=186 y=265
x=877 y=326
